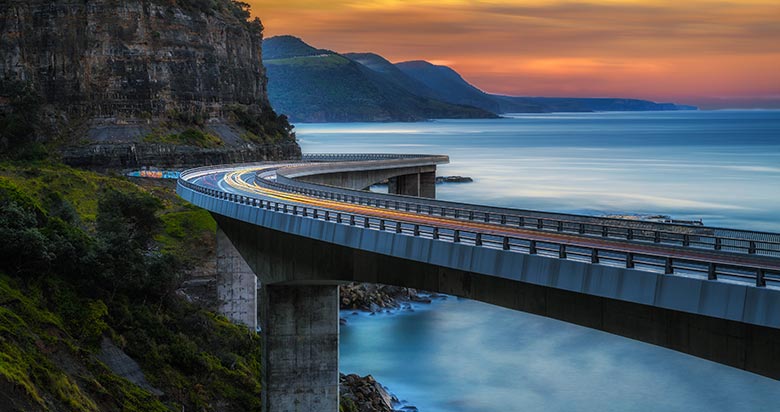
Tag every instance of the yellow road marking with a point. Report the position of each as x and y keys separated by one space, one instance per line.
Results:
x=234 y=180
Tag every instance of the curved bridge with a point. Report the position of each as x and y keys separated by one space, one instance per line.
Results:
x=302 y=228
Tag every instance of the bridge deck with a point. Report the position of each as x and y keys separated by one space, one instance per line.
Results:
x=710 y=292
x=665 y=248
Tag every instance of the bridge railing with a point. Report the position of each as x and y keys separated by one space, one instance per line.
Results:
x=713 y=238
x=326 y=164
x=353 y=157
x=708 y=238
x=757 y=273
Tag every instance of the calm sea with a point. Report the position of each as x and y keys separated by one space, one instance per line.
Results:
x=457 y=355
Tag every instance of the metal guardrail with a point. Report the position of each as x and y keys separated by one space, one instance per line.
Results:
x=353 y=157
x=613 y=256
x=694 y=237
x=714 y=238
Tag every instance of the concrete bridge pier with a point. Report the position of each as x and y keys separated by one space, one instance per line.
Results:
x=236 y=284
x=299 y=323
x=417 y=184
x=300 y=328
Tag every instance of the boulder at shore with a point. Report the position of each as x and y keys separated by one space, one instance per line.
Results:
x=363 y=394
x=371 y=297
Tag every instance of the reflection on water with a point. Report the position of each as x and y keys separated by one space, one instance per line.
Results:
x=464 y=356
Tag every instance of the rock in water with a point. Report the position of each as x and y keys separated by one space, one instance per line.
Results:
x=453 y=179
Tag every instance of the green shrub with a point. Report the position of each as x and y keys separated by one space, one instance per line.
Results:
x=24 y=247
x=109 y=270
x=17 y=125
x=94 y=323
x=262 y=123
x=347 y=405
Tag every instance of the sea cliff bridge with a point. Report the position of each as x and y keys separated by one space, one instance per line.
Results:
x=294 y=230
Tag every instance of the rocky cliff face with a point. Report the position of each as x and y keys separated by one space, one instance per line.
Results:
x=116 y=71
x=125 y=156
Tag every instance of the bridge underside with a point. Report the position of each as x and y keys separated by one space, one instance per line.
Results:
x=410 y=181
x=299 y=248
x=282 y=258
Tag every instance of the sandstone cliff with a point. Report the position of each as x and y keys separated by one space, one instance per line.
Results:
x=130 y=76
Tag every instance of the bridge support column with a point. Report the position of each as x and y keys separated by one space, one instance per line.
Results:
x=300 y=325
x=236 y=284
x=408 y=185
x=418 y=184
x=428 y=185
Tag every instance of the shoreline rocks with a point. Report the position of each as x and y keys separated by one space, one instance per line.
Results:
x=374 y=298
x=365 y=394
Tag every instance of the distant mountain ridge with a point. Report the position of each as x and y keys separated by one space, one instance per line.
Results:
x=320 y=85
x=285 y=47
x=393 y=73
x=451 y=87
x=448 y=84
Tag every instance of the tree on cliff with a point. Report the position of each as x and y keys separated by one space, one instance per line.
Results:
x=19 y=108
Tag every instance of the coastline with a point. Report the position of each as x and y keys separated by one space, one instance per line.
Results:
x=361 y=299
x=435 y=359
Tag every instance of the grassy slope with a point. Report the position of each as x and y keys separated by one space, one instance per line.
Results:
x=43 y=367
x=50 y=328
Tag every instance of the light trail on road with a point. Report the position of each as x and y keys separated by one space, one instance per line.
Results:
x=244 y=181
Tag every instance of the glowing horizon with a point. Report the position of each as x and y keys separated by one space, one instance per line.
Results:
x=721 y=53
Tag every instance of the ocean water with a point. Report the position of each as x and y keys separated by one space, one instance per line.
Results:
x=463 y=356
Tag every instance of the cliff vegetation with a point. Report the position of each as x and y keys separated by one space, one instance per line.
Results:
x=90 y=262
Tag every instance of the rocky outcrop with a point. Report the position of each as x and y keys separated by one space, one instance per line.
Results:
x=371 y=297
x=123 y=365
x=112 y=72
x=453 y=179
x=123 y=156
x=364 y=394
x=115 y=59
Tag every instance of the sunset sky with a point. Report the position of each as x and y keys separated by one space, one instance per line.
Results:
x=711 y=53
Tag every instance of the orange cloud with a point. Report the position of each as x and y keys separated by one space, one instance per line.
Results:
x=688 y=51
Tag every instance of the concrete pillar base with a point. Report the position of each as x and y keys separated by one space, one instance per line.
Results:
x=301 y=348
x=428 y=185
x=236 y=284
x=409 y=185
x=418 y=184
x=392 y=186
